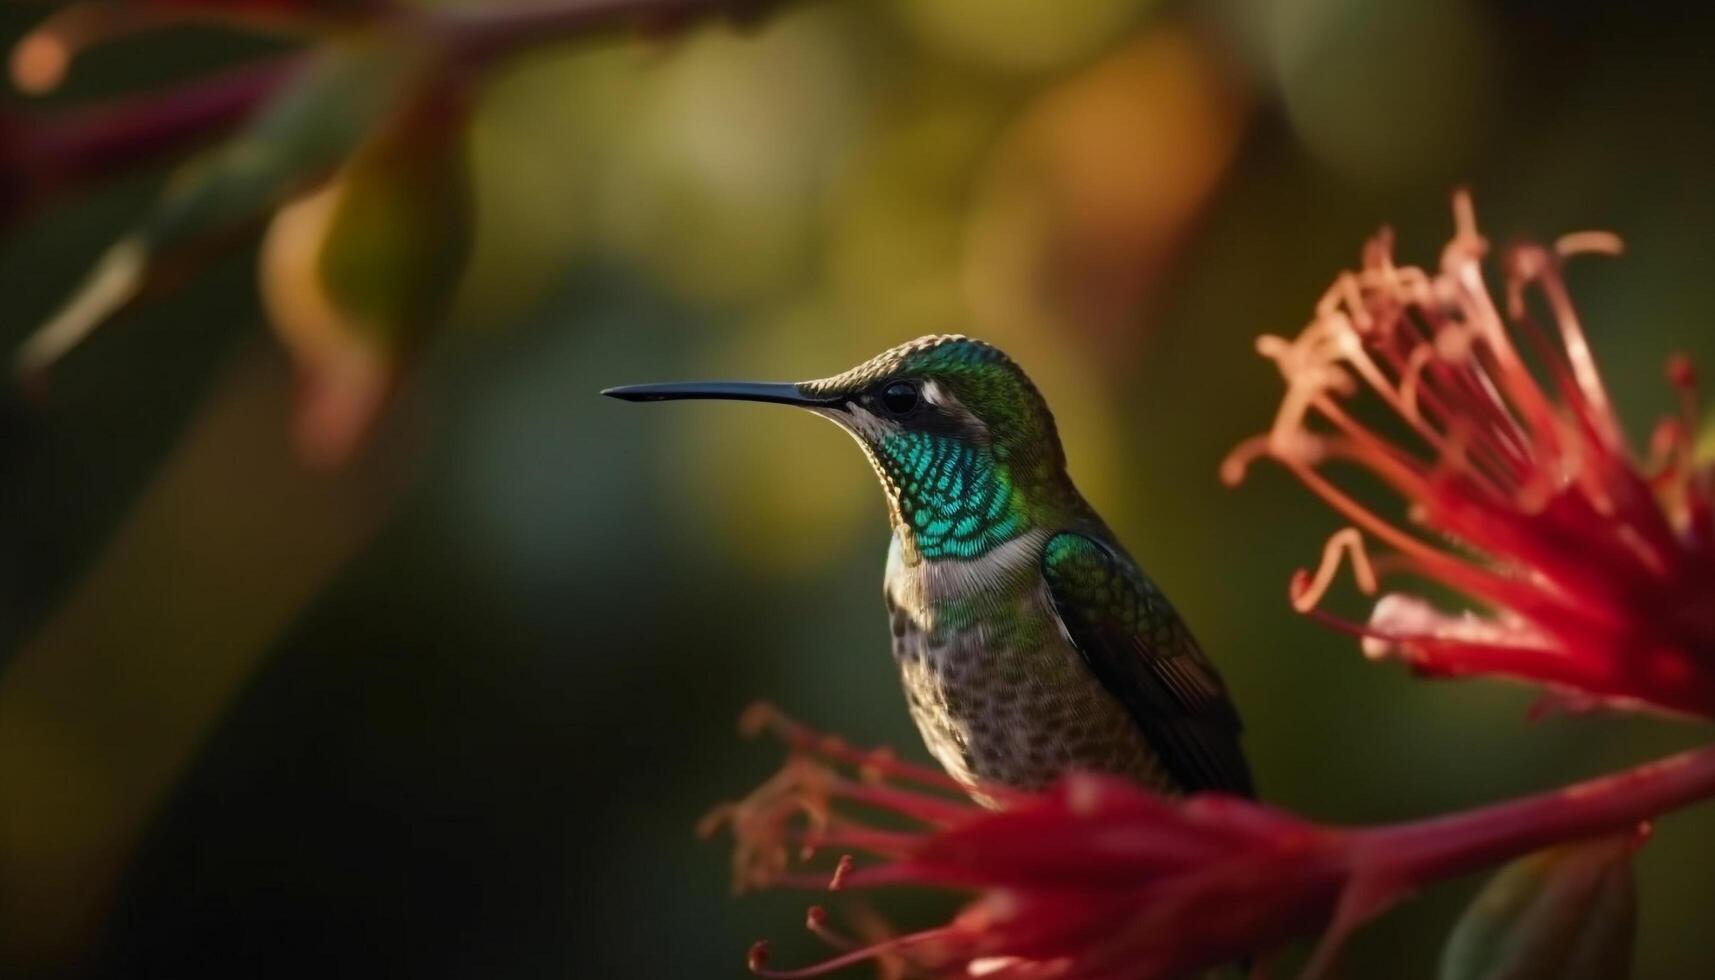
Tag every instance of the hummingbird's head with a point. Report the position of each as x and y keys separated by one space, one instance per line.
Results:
x=964 y=445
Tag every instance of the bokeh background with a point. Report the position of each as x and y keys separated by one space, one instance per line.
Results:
x=453 y=708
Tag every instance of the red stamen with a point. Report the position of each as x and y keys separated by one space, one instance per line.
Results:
x=1460 y=575
x=896 y=944
x=842 y=871
x=931 y=810
x=761 y=716
x=1528 y=478
x=1307 y=592
x=883 y=843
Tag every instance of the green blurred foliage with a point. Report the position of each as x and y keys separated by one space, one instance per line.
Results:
x=1565 y=913
x=477 y=746
x=310 y=125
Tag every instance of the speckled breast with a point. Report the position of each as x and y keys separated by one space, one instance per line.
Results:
x=995 y=687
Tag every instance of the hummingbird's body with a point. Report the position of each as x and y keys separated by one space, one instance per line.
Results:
x=1027 y=640
x=998 y=692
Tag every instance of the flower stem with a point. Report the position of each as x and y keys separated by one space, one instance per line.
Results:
x=1442 y=847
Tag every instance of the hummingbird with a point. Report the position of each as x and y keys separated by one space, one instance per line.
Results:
x=1028 y=641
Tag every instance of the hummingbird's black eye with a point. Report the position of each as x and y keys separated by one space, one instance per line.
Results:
x=899 y=397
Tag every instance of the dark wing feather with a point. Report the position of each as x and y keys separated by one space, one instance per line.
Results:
x=1140 y=650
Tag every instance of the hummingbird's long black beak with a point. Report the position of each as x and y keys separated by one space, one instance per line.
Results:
x=779 y=393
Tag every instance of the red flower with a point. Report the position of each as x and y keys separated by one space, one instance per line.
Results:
x=1100 y=878
x=1598 y=573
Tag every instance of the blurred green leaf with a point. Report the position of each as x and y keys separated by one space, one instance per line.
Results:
x=402 y=231
x=1566 y=913
x=303 y=132
x=357 y=273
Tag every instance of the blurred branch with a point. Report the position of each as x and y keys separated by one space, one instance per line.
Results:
x=1458 y=843
x=49 y=155
x=57 y=153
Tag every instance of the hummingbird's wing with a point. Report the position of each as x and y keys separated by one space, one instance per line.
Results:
x=1141 y=651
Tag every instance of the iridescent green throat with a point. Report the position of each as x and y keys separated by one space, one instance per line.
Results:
x=950 y=497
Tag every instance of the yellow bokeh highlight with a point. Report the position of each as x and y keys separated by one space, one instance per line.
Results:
x=772 y=486
x=1017 y=35
x=1704 y=451
x=536 y=141
x=895 y=239
x=714 y=181
x=1087 y=198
